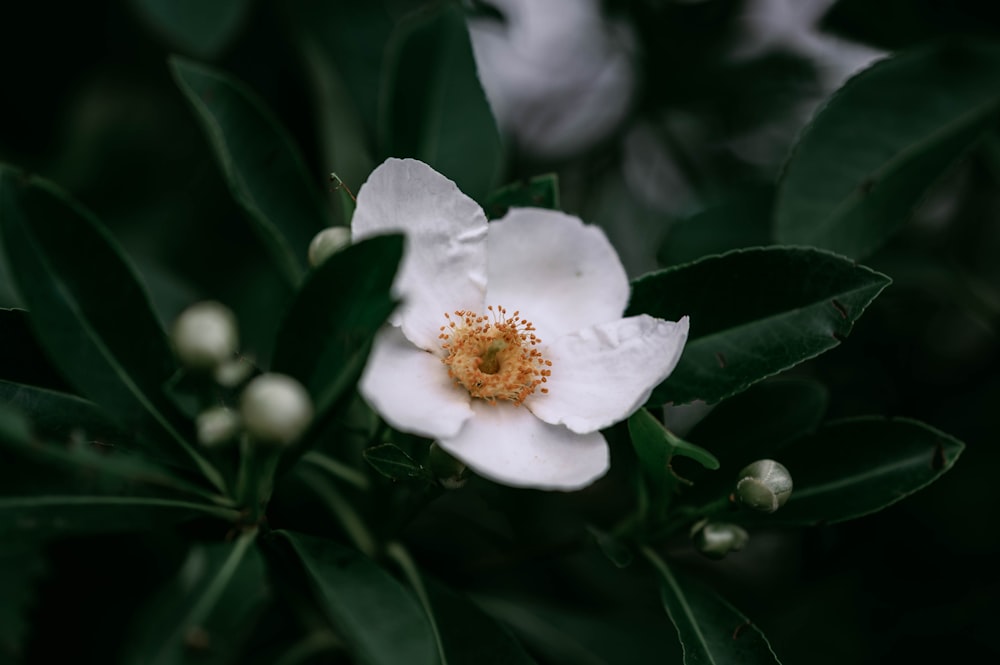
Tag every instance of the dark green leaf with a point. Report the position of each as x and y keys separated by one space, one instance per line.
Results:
x=855 y=467
x=614 y=549
x=21 y=564
x=655 y=446
x=377 y=617
x=22 y=359
x=741 y=220
x=207 y=611
x=754 y=313
x=200 y=28
x=90 y=312
x=470 y=636
x=754 y=425
x=711 y=631
x=433 y=107
x=324 y=338
x=585 y=636
x=392 y=462
x=892 y=25
x=538 y=192
x=264 y=169
x=871 y=153
x=50 y=490
x=60 y=417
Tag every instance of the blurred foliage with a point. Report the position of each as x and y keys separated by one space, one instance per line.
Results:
x=159 y=153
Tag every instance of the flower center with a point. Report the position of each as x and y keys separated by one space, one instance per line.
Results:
x=493 y=356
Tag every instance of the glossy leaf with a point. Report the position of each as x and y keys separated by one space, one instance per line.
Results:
x=871 y=153
x=538 y=192
x=90 y=312
x=260 y=162
x=754 y=313
x=377 y=617
x=324 y=338
x=200 y=28
x=433 y=107
x=392 y=462
x=855 y=467
x=711 y=631
x=207 y=611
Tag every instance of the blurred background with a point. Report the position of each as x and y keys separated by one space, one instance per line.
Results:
x=667 y=122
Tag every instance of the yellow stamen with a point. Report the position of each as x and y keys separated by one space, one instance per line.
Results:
x=493 y=356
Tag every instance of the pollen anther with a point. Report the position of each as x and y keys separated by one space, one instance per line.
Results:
x=493 y=355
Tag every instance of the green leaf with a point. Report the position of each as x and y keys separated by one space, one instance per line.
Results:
x=872 y=152
x=380 y=621
x=200 y=28
x=22 y=359
x=207 y=611
x=743 y=219
x=21 y=564
x=855 y=467
x=392 y=462
x=265 y=172
x=433 y=107
x=325 y=336
x=538 y=192
x=50 y=490
x=470 y=636
x=90 y=312
x=754 y=313
x=711 y=630
x=57 y=416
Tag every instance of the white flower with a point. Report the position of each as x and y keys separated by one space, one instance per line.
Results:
x=509 y=348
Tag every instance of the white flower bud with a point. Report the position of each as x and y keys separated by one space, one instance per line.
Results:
x=217 y=425
x=233 y=372
x=717 y=539
x=764 y=485
x=205 y=335
x=275 y=409
x=327 y=243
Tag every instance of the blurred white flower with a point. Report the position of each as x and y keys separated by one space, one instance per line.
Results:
x=559 y=76
x=509 y=348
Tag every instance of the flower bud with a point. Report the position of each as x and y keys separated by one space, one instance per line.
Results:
x=205 y=336
x=717 y=539
x=764 y=485
x=450 y=472
x=217 y=425
x=233 y=372
x=275 y=409
x=327 y=243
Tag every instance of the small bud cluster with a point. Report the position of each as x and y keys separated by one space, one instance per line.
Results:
x=765 y=486
x=274 y=409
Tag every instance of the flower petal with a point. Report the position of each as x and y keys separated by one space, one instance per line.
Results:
x=444 y=267
x=560 y=274
x=602 y=374
x=410 y=388
x=509 y=445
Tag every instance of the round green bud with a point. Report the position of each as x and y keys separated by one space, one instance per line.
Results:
x=717 y=539
x=450 y=472
x=275 y=409
x=217 y=426
x=327 y=243
x=764 y=485
x=205 y=336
